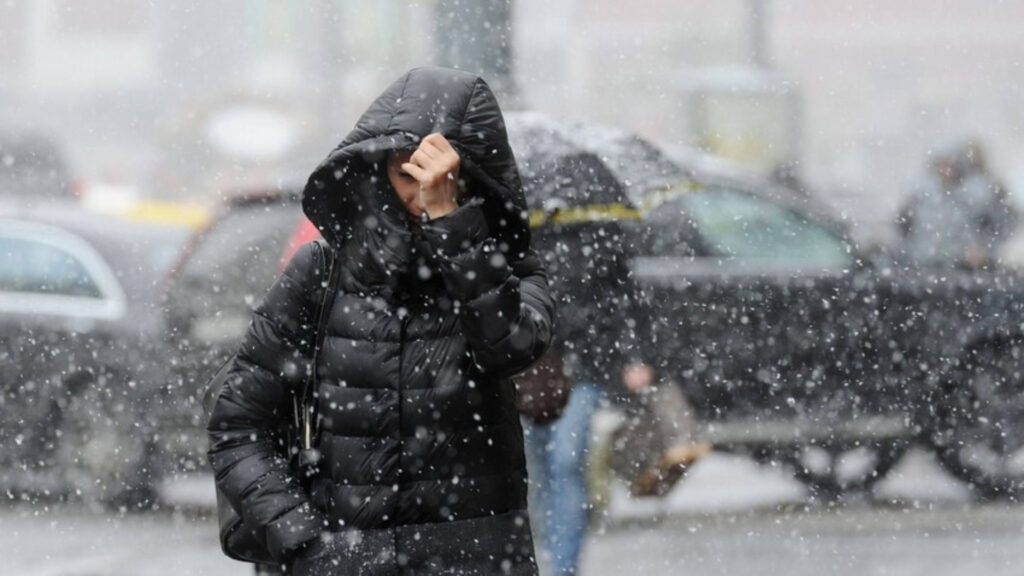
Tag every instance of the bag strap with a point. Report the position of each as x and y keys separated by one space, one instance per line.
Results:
x=328 y=258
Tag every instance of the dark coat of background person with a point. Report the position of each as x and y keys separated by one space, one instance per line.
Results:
x=602 y=320
x=576 y=179
x=423 y=468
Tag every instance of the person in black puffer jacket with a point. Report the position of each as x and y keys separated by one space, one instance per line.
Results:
x=440 y=302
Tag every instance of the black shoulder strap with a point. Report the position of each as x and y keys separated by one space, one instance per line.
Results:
x=331 y=271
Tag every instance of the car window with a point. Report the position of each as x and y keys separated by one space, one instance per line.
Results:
x=30 y=266
x=231 y=269
x=243 y=249
x=755 y=231
x=31 y=166
x=667 y=232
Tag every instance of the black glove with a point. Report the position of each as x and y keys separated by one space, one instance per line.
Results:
x=312 y=549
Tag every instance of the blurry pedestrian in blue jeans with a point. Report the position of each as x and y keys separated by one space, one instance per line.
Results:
x=601 y=327
x=559 y=501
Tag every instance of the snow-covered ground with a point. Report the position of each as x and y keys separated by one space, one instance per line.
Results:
x=62 y=541
x=925 y=539
x=47 y=540
x=723 y=482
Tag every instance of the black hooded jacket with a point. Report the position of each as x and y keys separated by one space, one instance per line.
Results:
x=423 y=468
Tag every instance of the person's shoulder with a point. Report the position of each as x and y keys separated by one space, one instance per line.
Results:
x=307 y=258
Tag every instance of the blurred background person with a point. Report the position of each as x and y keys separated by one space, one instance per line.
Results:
x=959 y=213
x=594 y=300
x=988 y=201
x=604 y=349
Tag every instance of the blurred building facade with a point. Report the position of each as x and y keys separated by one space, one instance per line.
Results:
x=880 y=83
x=157 y=95
x=151 y=93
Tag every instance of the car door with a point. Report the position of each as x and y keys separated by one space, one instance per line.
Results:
x=756 y=303
x=228 y=270
x=55 y=289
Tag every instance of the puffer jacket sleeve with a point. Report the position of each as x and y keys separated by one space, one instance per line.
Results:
x=506 y=309
x=270 y=369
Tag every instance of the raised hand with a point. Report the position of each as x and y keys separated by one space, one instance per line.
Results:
x=435 y=165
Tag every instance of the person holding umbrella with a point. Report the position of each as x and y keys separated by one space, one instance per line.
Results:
x=595 y=342
x=585 y=226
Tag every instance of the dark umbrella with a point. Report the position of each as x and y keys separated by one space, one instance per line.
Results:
x=587 y=188
x=574 y=171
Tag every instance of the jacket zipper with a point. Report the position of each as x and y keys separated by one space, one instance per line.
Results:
x=401 y=353
x=398 y=440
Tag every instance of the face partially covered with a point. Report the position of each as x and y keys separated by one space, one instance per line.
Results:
x=407 y=187
x=351 y=176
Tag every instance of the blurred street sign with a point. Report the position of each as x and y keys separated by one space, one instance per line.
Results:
x=748 y=115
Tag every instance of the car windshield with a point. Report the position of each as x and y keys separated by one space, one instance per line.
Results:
x=29 y=266
x=753 y=231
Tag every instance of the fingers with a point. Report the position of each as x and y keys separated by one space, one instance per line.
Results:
x=416 y=171
x=425 y=153
x=420 y=159
x=437 y=147
x=439 y=141
x=435 y=155
x=434 y=160
x=435 y=165
x=430 y=163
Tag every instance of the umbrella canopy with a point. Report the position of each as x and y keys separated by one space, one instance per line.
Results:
x=573 y=171
x=587 y=188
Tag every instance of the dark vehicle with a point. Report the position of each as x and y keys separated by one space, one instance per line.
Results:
x=223 y=272
x=781 y=331
x=80 y=352
x=783 y=336
x=32 y=167
x=792 y=344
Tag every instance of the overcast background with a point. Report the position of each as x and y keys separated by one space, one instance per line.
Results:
x=154 y=95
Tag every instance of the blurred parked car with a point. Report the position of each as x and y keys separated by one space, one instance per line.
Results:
x=774 y=324
x=791 y=343
x=786 y=336
x=81 y=333
x=209 y=295
x=32 y=167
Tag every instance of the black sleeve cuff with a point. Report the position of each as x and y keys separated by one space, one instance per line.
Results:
x=459 y=230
